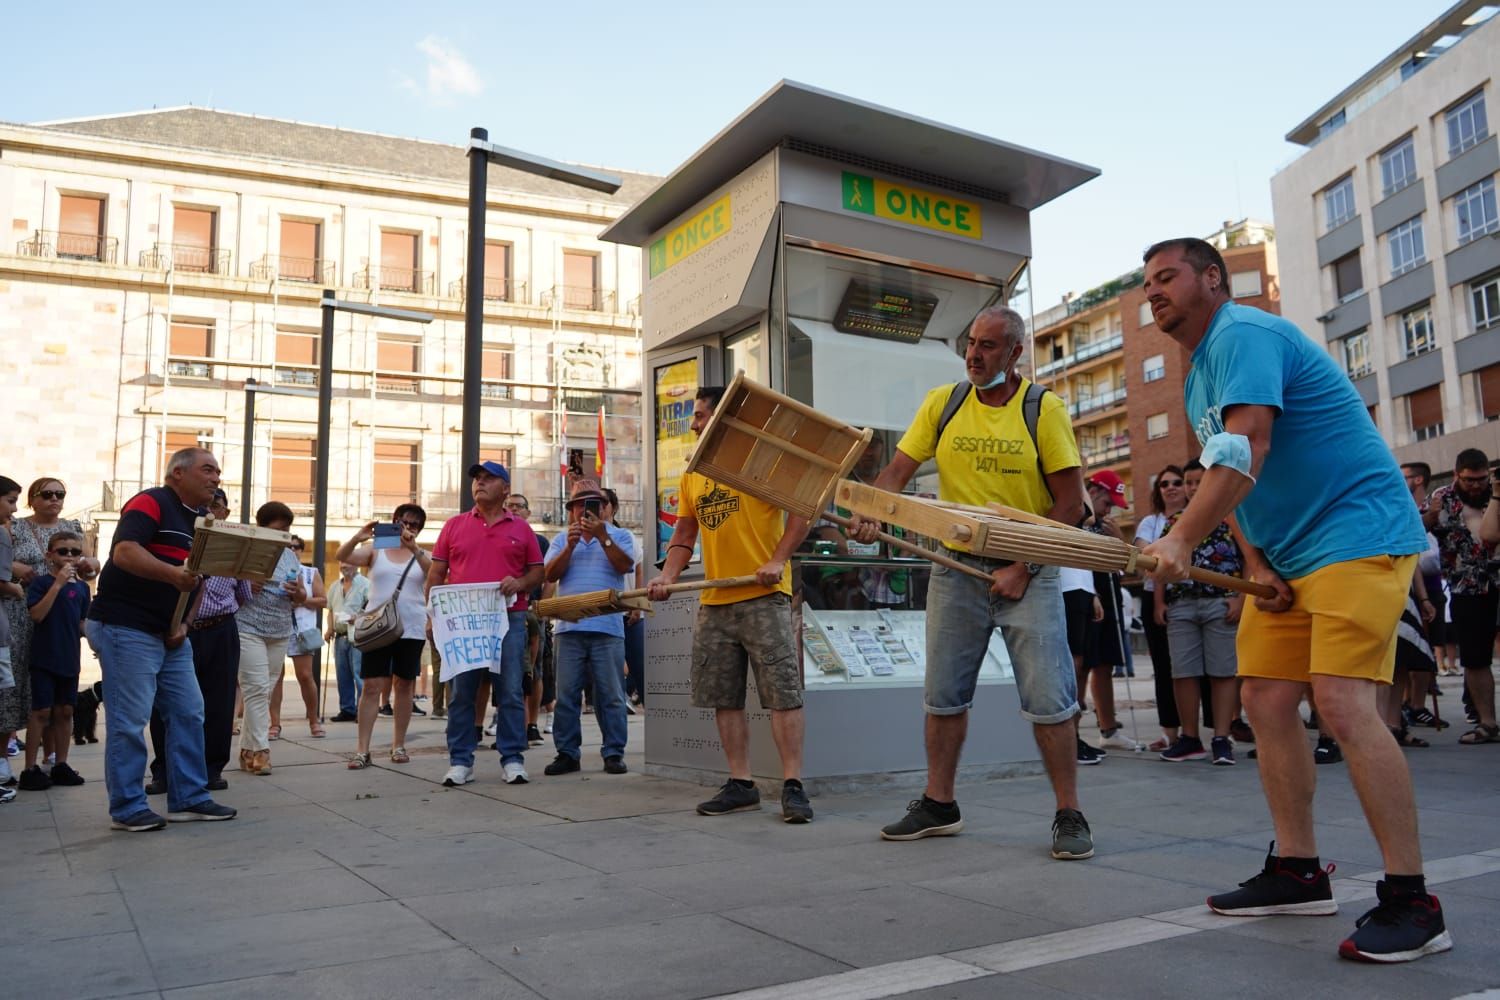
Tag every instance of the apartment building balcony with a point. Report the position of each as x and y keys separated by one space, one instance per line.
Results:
x=1087 y=352
x=313 y=270
x=1097 y=402
x=1107 y=451
x=186 y=257
x=582 y=297
x=69 y=246
x=188 y=367
x=495 y=290
x=395 y=279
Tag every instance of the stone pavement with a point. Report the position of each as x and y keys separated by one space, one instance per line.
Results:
x=334 y=883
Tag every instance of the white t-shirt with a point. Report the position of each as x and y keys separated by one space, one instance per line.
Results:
x=1075 y=579
x=385 y=573
x=1147 y=531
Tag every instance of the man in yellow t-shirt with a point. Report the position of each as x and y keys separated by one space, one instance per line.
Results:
x=740 y=627
x=986 y=453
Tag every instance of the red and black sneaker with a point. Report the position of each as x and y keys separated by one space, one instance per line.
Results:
x=1276 y=890
x=1402 y=928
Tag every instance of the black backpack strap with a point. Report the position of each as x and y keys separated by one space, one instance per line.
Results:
x=956 y=397
x=1031 y=413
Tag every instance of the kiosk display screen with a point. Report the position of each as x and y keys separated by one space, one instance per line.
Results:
x=886 y=313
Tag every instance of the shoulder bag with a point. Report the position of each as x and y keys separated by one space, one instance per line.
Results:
x=377 y=628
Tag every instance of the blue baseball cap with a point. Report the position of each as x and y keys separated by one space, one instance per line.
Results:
x=493 y=468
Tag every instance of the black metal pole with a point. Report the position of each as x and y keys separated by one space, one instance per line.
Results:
x=325 y=422
x=247 y=464
x=473 y=314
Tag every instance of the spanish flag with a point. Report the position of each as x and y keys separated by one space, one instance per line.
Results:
x=599 y=449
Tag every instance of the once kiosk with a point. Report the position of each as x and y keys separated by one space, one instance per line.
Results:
x=836 y=252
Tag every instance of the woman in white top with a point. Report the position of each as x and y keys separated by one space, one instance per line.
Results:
x=399 y=572
x=304 y=641
x=1167 y=498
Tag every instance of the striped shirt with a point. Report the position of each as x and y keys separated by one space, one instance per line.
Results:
x=589 y=569
x=158 y=521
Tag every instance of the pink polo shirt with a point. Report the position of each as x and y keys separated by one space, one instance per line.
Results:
x=487 y=553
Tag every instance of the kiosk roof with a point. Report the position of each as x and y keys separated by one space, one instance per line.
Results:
x=848 y=128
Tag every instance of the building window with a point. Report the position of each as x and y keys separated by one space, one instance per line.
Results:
x=1467 y=124
x=398 y=262
x=1154 y=368
x=1156 y=426
x=580 y=280
x=1146 y=318
x=188 y=350
x=499 y=368
x=497 y=270
x=1426 y=410
x=1338 y=202
x=1332 y=123
x=1356 y=351
x=1486 y=298
x=1407 y=248
x=1348 y=277
x=297 y=357
x=193 y=239
x=1489 y=391
x=293 y=469
x=1244 y=284
x=175 y=441
x=396 y=465
x=396 y=355
x=1416 y=330
x=299 y=251
x=1398 y=167
x=80 y=227
x=1476 y=211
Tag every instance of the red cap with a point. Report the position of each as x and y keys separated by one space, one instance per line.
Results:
x=1107 y=480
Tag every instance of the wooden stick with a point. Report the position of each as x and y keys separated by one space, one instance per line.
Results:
x=917 y=550
x=677 y=588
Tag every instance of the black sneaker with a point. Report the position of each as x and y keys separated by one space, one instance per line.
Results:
x=417 y=710
x=216 y=783
x=924 y=818
x=1278 y=890
x=208 y=810
x=34 y=779
x=1072 y=840
x=139 y=822
x=386 y=711
x=156 y=786
x=1327 y=751
x=615 y=765
x=1240 y=731
x=1186 y=748
x=62 y=774
x=534 y=735
x=562 y=764
x=794 y=805
x=1223 y=751
x=1402 y=928
x=733 y=797
x=345 y=717
x=1089 y=755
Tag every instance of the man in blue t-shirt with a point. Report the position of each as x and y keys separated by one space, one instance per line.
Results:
x=591 y=555
x=144 y=660
x=1326 y=520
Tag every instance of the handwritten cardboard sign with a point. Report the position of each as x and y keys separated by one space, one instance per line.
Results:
x=469 y=622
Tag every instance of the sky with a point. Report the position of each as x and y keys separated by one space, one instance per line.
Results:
x=1182 y=106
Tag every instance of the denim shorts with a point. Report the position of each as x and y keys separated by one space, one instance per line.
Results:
x=962 y=614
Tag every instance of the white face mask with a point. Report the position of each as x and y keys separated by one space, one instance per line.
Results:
x=997 y=380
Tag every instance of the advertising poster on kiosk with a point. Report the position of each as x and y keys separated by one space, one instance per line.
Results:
x=676 y=384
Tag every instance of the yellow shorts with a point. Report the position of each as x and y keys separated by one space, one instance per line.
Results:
x=1342 y=623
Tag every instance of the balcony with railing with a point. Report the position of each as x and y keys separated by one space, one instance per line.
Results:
x=298 y=376
x=1107 y=450
x=584 y=297
x=395 y=279
x=1085 y=353
x=69 y=246
x=313 y=270
x=495 y=290
x=1098 y=401
x=186 y=257
x=190 y=368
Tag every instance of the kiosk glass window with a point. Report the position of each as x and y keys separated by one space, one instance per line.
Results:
x=674 y=385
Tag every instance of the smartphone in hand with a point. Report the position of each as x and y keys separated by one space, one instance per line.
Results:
x=387 y=536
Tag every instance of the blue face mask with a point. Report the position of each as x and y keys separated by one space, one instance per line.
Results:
x=997 y=380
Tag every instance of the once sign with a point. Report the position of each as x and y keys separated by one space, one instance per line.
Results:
x=911 y=206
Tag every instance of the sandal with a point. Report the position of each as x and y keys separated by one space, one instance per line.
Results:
x=274 y=733
x=1480 y=734
x=359 y=761
x=400 y=756
x=317 y=731
x=1406 y=739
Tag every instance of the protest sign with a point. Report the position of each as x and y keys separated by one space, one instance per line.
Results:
x=469 y=622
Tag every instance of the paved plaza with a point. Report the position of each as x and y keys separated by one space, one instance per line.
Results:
x=334 y=883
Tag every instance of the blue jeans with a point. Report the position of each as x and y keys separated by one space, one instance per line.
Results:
x=961 y=615
x=139 y=671
x=461 y=708
x=346 y=657
x=595 y=659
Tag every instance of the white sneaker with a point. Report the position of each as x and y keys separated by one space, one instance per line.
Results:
x=6 y=774
x=458 y=775
x=51 y=760
x=547 y=728
x=515 y=774
x=1118 y=741
x=490 y=730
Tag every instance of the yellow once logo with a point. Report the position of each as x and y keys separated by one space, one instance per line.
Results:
x=913 y=206
x=693 y=235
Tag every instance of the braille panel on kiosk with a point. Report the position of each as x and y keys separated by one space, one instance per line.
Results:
x=836 y=252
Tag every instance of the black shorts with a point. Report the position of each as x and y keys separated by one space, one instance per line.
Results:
x=49 y=690
x=402 y=658
x=1474 y=628
x=1083 y=631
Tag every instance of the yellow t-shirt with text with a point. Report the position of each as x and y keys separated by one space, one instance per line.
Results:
x=986 y=455
x=738 y=534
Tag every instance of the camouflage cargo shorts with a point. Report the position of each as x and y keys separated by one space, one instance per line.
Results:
x=731 y=637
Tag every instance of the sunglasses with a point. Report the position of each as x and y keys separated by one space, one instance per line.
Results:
x=1169 y=482
x=413 y=525
x=52 y=494
x=67 y=552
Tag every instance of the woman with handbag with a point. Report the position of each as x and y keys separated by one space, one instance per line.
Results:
x=392 y=630
x=265 y=626
x=304 y=641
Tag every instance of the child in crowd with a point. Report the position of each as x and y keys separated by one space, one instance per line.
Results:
x=59 y=603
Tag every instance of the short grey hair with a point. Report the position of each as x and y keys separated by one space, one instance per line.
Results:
x=184 y=459
x=1010 y=320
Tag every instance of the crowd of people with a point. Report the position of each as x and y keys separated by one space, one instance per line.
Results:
x=1335 y=538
